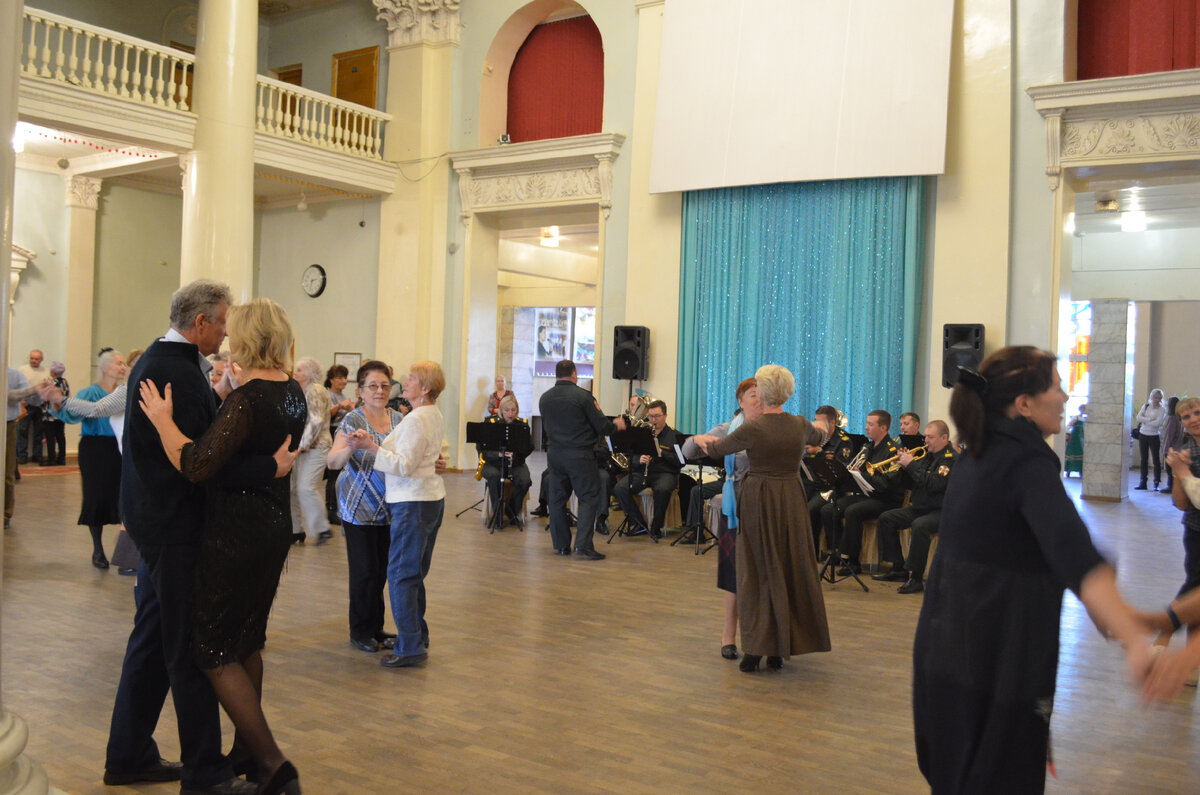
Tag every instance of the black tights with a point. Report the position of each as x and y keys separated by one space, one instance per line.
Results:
x=239 y=689
x=96 y=530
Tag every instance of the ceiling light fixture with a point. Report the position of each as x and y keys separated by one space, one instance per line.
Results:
x=550 y=236
x=302 y=205
x=1133 y=222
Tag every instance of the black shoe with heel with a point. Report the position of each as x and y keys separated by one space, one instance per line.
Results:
x=774 y=663
x=729 y=651
x=749 y=663
x=284 y=781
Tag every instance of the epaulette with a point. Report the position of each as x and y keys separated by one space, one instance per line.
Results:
x=948 y=453
x=891 y=445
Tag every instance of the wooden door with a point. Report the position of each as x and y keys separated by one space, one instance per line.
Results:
x=356 y=75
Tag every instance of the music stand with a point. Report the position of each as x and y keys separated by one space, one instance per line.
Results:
x=700 y=534
x=500 y=437
x=911 y=441
x=831 y=475
x=633 y=443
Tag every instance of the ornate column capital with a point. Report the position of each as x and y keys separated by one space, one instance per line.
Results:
x=83 y=193
x=413 y=22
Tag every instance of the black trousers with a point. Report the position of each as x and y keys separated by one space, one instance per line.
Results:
x=607 y=482
x=695 y=501
x=924 y=525
x=661 y=485
x=573 y=470
x=366 y=563
x=1149 y=446
x=815 y=503
x=158 y=658
x=56 y=442
x=29 y=435
x=854 y=510
x=521 y=483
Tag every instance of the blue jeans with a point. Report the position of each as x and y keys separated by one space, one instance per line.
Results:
x=414 y=532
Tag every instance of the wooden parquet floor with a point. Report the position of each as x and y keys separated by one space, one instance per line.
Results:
x=555 y=675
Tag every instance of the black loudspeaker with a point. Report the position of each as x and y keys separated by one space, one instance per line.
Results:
x=631 y=353
x=962 y=345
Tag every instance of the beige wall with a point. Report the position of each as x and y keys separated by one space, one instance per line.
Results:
x=1173 y=363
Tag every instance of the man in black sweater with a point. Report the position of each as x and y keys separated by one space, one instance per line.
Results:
x=163 y=514
x=659 y=473
x=573 y=424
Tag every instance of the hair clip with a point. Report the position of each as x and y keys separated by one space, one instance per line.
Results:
x=974 y=380
x=103 y=351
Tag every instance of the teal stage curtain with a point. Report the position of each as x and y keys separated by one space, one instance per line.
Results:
x=821 y=277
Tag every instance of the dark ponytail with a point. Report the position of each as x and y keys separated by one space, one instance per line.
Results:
x=1002 y=378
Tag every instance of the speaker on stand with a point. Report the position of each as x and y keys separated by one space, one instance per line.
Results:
x=631 y=349
x=962 y=346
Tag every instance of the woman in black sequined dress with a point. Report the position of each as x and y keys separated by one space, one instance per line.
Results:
x=247 y=528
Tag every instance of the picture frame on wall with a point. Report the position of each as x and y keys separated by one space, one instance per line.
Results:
x=351 y=361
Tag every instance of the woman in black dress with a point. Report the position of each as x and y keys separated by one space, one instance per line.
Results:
x=247 y=530
x=986 y=650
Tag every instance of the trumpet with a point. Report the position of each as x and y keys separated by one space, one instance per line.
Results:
x=889 y=465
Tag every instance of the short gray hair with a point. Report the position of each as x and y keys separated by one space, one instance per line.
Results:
x=775 y=384
x=313 y=372
x=106 y=359
x=219 y=356
x=201 y=297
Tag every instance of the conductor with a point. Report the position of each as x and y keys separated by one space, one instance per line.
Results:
x=573 y=425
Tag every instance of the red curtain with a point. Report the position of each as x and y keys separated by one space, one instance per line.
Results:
x=556 y=85
x=1127 y=37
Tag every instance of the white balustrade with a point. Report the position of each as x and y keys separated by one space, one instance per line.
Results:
x=288 y=111
x=68 y=51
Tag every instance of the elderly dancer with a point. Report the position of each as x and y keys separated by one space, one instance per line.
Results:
x=986 y=649
x=362 y=505
x=416 y=498
x=780 y=606
x=736 y=464
x=309 y=518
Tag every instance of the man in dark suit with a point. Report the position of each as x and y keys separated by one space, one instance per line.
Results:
x=163 y=515
x=573 y=424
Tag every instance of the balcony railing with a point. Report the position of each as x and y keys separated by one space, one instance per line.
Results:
x=289 y=111
x=70 y=52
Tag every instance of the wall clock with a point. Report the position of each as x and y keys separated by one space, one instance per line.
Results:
x=313 y=281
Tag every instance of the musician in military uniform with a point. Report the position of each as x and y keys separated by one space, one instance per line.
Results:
x=887 y=493
x=659 y=473
x=516 y=455
x=838 y=444
x=572 y=424
x=928 y=475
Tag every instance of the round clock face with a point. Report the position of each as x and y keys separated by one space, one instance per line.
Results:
x=313 y=280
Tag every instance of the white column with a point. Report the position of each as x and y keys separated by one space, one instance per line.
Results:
x=83 y=199
x=18 y=773
x=1106 y=440
x=218 y=184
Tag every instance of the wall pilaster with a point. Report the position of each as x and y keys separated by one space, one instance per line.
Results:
x=1106 y=440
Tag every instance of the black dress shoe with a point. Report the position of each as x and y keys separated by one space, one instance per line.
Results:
x=324 y=537
x=895 y=575
x=396 y=661
x=541 y=511
x=657 y=533
x=1140 y=487
x=162 y=770
x=386 y=640
x=912 y=586
x=127 y=571
x=233 y=786
x=775 y=663
x=749 y=663
x=589 y=554
x=284 y=781
x=729 y=651
x=369 y=645
x=563 y=552
x=99 y=561
x=297 y=538
x=602 y=528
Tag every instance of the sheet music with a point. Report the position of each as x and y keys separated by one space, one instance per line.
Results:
x=866 y=487
x=679 y=455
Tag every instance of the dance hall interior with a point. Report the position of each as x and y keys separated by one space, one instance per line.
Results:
x=668 y=194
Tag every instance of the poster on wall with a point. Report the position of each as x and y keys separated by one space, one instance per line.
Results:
x=553 y=329
x=583 y=348
x=564 y=332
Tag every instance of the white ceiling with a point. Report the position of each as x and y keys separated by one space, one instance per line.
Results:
x=1170 y=205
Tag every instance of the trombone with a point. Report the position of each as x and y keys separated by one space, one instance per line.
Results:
x=890 y=465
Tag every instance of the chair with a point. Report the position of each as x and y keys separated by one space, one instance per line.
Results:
x=489 y=513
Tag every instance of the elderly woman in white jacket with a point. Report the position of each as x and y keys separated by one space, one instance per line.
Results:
x=416 y=499
x=309 y=517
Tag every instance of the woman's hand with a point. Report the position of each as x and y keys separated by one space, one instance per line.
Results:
x=156 y=408
x=703 y=441
x=1168 y=673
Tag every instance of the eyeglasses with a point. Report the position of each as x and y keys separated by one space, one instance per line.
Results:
x=376 y=387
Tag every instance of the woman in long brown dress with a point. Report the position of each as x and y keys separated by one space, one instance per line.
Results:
x=780 y=606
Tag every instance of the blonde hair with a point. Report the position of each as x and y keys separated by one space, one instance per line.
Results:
x=1186 y=404
x=260 y=335
x=775 y=384
x=510 y=400
x=430 y=376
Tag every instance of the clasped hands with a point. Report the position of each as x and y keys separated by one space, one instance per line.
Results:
x=360 y=439
x=49 y=393
x=1180 y=461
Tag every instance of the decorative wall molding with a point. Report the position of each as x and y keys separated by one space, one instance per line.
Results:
x=558 y=171
x=1114 y=121
x=415 y=22
x=83 y=193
